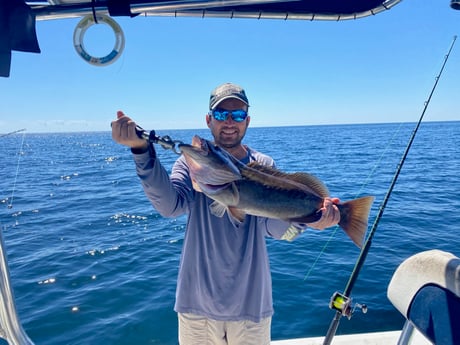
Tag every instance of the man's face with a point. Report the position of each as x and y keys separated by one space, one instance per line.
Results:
x=228 y=133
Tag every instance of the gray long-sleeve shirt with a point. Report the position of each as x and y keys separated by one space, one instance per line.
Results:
x=224 y=271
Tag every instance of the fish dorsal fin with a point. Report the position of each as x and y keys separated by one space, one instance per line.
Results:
x=312 y=183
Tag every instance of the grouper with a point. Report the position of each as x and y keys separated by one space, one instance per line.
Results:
x=264 y=191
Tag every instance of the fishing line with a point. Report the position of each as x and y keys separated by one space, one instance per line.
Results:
x=364 y=184
x=344 y=300
x=10 y=204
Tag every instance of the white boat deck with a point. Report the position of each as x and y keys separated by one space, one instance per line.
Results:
x=376 y=338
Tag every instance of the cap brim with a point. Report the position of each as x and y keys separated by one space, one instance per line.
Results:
x=228 y=97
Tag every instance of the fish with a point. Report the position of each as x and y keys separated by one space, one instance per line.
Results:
x=260 y=190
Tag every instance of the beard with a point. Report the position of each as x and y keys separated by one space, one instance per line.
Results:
x=229 y=139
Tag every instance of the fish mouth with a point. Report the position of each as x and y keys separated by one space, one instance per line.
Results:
x=198 y=151
x=205 y=152
x=210 y=166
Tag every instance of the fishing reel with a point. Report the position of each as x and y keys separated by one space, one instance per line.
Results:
x=342 y=303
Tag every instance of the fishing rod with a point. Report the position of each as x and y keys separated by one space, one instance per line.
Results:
x=341 y=302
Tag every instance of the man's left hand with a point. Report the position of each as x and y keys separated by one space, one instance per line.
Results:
x=330 y=214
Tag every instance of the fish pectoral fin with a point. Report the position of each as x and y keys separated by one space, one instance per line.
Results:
x=217 y=209
x=237 y=213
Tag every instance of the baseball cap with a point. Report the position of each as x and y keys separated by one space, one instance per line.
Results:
x=226 y=91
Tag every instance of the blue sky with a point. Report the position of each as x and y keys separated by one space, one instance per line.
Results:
x=374 y=69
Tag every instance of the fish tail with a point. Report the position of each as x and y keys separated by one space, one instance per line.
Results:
x=354 y=215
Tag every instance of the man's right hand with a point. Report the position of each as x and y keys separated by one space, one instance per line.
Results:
x=124 y=132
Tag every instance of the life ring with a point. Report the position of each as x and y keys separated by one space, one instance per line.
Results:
x=79 y=35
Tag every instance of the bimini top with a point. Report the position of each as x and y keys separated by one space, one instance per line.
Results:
x=17 y=17
x=259 y=9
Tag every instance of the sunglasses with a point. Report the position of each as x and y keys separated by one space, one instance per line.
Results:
x=222 y=115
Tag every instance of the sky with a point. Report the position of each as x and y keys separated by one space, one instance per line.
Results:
x=371 y=70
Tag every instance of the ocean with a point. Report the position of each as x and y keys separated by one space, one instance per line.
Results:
x=92 y=262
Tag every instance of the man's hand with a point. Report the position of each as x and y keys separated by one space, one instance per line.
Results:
x=124 y=132
x=330 y=214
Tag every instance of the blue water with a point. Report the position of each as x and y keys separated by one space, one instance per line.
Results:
x=92 y=262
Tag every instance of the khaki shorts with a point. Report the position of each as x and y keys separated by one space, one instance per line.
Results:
x=199 y=330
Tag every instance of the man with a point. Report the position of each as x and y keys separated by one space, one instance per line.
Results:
x=224 y=293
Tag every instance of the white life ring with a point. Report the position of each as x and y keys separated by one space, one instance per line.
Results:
x=79 y=34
